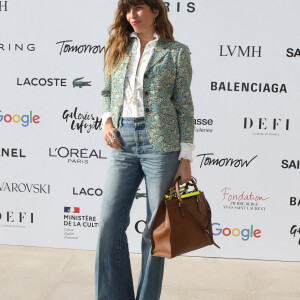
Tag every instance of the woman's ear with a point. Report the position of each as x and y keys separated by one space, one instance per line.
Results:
x=156 y=12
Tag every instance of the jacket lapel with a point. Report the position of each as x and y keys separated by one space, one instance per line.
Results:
x=159 y=52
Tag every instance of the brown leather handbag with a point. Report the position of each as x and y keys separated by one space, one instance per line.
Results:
x=182 y=222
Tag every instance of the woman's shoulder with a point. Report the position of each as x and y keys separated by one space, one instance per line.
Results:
x=175 y=45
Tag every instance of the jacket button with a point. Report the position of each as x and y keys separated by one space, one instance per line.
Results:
x=147 y=110
x=146 y=93
x=145 y=76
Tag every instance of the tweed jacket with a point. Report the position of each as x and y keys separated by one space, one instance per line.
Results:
x=168 y=106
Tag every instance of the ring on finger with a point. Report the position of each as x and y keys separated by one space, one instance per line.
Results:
x=108 y=142
x=114 y=137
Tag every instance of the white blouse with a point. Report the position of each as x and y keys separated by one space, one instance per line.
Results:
x=133 y=88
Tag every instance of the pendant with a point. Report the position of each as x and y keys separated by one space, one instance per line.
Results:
x=132 y=100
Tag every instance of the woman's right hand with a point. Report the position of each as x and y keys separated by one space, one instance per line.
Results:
x=110 y=135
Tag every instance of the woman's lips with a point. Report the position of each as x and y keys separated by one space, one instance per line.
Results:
x=135 y=22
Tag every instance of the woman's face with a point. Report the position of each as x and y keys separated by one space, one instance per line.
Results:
x=141 y=18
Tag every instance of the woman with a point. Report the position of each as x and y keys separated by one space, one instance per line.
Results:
x=149 y=124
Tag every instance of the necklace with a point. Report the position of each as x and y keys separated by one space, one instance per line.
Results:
x=132 y=99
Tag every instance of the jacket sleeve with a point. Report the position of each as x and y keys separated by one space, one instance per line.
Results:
x=182 y=96
x=106 y=94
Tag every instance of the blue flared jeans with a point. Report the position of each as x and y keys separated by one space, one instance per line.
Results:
x=135 y=160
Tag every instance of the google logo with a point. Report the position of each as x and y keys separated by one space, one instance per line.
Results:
x=245 y=233
x=24 y=119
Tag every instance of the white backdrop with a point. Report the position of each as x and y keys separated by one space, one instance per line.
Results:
x=246 y=69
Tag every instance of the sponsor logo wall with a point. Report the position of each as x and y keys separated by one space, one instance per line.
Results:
x=246 y=94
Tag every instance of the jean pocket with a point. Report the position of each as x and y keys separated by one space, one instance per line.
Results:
x=121 y=134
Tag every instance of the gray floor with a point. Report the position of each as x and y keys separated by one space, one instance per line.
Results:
x=47 y=273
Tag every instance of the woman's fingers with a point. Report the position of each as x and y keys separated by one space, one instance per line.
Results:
x=116 y=141
x=111 y=139
x=184 y=180
x=107 y=141
x=116 y=144
x=184 y=177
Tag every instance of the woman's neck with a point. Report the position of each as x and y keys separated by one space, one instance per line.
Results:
x=146 y=37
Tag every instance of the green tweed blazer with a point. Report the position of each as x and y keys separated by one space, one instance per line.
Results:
x=168 y=105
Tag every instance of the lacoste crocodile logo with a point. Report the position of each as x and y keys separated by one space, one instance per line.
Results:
x=140 y=195
x=77 y=82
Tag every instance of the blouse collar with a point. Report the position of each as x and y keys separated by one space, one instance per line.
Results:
x=156 y=35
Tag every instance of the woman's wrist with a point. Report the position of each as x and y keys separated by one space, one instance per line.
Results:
x=108 y=124
x=108 y=121
x=185 y=161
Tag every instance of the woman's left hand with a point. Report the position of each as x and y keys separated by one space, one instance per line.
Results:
x=184 y=171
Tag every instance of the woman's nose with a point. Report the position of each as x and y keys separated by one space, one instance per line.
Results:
x=131 y=13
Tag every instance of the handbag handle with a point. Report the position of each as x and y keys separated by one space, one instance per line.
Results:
x=187 y=184
x=193 y=180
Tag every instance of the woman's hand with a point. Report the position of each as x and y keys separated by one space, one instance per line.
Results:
x=184 y=171
x=110 y=135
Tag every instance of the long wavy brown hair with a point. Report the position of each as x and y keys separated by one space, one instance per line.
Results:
x=120 y=30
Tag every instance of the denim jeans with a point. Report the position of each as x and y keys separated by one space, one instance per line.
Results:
x=135 y=160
